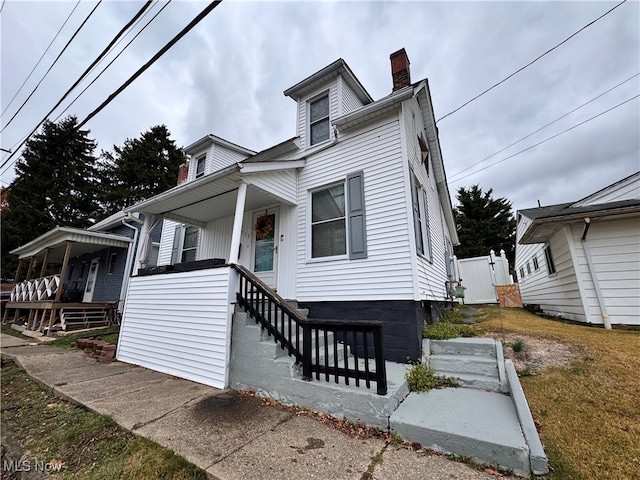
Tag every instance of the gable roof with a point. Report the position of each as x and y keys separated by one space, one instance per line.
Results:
x=339 y=67
x=210 y=139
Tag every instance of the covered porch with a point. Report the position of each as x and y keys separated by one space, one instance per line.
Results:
x=58 y=289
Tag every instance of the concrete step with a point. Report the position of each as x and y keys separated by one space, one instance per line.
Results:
x=479 y=382
x=464 y=364
x=479 y=424
x=483 y=347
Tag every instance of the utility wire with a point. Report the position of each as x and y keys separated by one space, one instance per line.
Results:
x=112 y=61
x=41 y=57
x=139 y=72
x=162 y=51
x=542 y=128
x=531 y=63
x=52 y=65
x=20 y=143
x=547 y=139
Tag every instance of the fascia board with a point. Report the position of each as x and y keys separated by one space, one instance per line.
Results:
x=271 y=166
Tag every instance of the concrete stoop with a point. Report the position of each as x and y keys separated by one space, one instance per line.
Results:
x=259 y=364
x=489 y=420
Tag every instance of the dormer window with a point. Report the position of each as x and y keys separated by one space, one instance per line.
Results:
x=200 y=165
x=319 y=119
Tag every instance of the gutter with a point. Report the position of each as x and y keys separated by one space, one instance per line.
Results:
x=128 y=268
x=594 y=277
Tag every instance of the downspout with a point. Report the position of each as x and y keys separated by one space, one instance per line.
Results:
x=592 y=272
x=128 y=268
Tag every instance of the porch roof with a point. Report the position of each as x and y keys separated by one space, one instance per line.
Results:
x=205 y=199
x=83 y=241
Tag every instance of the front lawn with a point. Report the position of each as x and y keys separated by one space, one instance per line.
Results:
x=588 y=409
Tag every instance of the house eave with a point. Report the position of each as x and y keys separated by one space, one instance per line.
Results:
x=373 y=110
x=209 y=140
x=271 y=166
x=339 y=67
x=288 y=146
x=60 y=235
x=543 y=229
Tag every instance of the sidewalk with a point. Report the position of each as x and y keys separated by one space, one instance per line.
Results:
x=229 y=435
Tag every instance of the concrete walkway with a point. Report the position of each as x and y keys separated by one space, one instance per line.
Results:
x=229 y=435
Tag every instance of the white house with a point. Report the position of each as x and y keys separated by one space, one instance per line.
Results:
x=581 y=260
x=351 y=218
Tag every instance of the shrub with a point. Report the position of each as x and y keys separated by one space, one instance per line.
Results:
x=445 y=330
x=452 y=316
x=517 y=346
x=421 y=378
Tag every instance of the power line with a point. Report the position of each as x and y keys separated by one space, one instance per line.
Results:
x=19 y=144
x=546 y=140
x=545 y=126
x=162 y=51
x=41 y=57
x=112 y=61
x=52 y=65
x=532 y=62
x=139 y=72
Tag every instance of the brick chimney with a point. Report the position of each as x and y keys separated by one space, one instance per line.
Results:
x=183 y=173
x=400 y=69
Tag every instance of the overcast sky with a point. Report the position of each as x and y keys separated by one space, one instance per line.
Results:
x=227 y=76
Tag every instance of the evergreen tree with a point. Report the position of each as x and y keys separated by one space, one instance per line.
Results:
x=484 y=224
x=142 y=168
x=55 y=185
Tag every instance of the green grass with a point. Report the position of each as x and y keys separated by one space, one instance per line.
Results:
x=445 y=330
x=588 y=410
x=421 y=378
x=89 y=446
x=108 y=334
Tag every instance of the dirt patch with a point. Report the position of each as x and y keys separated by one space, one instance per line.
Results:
x=537 y=353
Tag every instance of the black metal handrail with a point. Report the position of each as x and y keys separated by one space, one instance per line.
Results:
x=311 y=341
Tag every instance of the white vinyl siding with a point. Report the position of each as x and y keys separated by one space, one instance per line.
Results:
x=431 y=274
x=179 y=324
x=385 y=273
x=224 y=157
x=626 y=189
x=350 y=101
x=282 y=184
x=615 y=252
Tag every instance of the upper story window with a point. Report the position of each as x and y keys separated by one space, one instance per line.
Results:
x=201 y=163
x=319 y=120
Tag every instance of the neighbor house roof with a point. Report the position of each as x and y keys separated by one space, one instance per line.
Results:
x=84 y=241
x=210 y=139
x=548 y=220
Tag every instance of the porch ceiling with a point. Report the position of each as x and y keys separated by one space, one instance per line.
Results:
x=83 y=241
x=206 y=199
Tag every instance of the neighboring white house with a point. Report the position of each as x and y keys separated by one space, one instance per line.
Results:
x=351 y=218
x=581 y=260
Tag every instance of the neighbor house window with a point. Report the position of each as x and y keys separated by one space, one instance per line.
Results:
x=201 y=163
x=551 y=266
x=155 y=252
x=338 y=219
x=528 y=269
x=521 y=272
x=421 y=219
x=535 y=263
x=319 y=120
x=185 y=244
x=112 y=263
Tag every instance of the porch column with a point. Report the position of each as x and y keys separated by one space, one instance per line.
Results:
x=63 y=272
x=145 y=233
x=32 y=263
x=237 y=223
x=43 y=270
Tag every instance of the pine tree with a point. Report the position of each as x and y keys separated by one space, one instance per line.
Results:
x=484 y=224
x=142 y=168
x=55 y=185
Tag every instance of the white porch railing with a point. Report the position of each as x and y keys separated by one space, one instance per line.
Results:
x=36 y=289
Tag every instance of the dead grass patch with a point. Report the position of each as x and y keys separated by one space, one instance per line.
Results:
x=587 y=405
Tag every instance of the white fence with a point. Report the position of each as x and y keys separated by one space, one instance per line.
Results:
x=480 y=275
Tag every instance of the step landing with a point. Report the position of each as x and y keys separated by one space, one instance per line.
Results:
x=479 y=424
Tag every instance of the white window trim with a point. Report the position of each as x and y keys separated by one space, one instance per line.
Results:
x=309 y=239
x=326 y=93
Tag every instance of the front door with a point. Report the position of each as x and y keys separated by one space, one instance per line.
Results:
x=91 y=281
x=264 y=261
